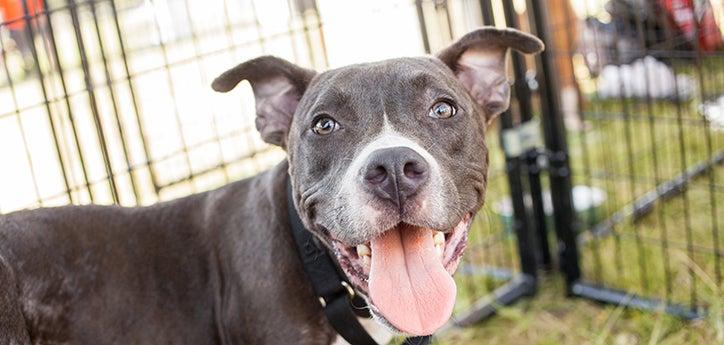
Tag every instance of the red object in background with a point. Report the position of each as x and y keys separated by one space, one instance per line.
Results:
x=693 y=22
x=13 y=10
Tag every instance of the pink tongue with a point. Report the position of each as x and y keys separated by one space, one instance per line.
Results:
x=408 y=282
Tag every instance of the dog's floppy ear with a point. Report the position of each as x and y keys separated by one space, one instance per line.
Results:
x=278 y=86
x=478 y=59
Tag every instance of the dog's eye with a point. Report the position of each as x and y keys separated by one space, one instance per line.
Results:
x=324 y=125
x=442 y=110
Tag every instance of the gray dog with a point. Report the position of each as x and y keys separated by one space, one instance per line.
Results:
x=388 y=165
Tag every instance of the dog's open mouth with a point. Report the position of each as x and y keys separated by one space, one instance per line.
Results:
x=407 y=273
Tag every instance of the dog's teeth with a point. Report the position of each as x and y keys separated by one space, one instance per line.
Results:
x=439 y=249
x=366 y=261
x=363 y=250
x=439 y=238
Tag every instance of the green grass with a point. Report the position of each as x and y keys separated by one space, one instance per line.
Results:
x=550 y=318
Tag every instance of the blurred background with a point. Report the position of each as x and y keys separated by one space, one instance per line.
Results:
x=605 y=207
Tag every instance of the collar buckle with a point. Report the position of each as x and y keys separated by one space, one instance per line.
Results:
x=347 y=287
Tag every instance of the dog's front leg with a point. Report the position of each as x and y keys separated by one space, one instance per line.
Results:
x=12 y=322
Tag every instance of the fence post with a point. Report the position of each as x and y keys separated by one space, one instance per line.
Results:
x=530 y=157
x=555 y=141
x=514 y=168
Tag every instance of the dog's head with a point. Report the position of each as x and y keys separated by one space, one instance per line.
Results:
x=388 y=162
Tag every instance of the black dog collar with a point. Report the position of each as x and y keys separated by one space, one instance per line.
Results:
x=335 y=293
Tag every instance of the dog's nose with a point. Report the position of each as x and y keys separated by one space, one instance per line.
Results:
x=395 y=174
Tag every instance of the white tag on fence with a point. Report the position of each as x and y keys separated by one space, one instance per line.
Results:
x=521 y=138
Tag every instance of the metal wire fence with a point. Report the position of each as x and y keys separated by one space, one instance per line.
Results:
x=651 y=145
x=109 y=101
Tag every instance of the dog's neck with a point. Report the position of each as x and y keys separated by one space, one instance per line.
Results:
x=260 y=280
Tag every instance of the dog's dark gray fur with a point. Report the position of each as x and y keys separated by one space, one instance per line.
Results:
x=221 y=267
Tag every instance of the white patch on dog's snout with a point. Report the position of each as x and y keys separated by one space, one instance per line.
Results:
x=388 y=138
x=359 y=202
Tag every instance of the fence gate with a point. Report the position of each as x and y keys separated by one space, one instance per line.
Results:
x=646 y=153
